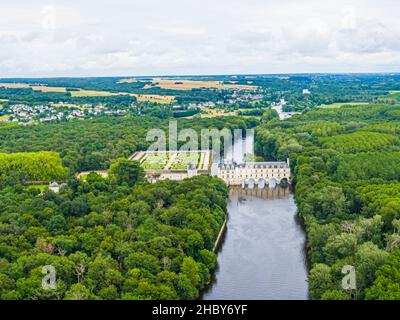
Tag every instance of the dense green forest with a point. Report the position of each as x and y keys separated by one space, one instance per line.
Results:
x=33 y=97
x=346 y=164
x=119 y=238
x=28 y=166
x=92 y=144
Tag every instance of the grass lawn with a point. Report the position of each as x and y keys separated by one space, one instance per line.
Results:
x=41 y=187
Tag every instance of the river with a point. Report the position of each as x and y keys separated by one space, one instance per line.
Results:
x=262 y=254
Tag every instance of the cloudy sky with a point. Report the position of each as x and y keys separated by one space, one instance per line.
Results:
x=164 y=37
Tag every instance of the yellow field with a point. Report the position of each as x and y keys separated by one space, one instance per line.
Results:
x=67 y=105
x=14 y=85
x=131 y=80
x=209 y=113
x=155 y=98
x=49 y=89
x=36 y=88
x=141 y=97
x=180 y=84
x=162 y=99
x=5 y=117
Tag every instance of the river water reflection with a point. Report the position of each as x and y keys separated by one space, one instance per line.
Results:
x=262 y=254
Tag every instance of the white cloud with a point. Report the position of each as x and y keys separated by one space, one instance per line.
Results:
x=131 y=37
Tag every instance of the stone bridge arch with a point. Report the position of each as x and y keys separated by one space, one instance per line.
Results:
x=272 y=183
x=251 y=183
x=261 y=183
x=284 y=182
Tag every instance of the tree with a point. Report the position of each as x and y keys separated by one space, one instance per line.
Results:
x=340 y=246
x=328 y=203
x=79 y=292
x=143 y=260
x=317 y=238
x=191 y=270
x=208 y=258
x=126 y=171
x=386 y=286
x=102 y=272
x=185 y=289
x=269 y=115
x=368 y=259
x=335 y=295
x=319 y=281
x=57 y=224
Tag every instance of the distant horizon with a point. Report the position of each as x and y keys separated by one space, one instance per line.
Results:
x=205 y=75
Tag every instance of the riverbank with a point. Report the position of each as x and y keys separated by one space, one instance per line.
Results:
x=220 y=234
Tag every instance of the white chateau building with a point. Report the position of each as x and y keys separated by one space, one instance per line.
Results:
x=254 y=173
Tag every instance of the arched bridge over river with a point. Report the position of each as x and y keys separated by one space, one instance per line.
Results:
x=251 y=174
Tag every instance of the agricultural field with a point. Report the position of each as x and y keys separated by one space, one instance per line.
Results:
x=182 y=84
x=81 y=93
x=341 y=104
x=162 y=99
x=210 y=113
x=395 y=95
x=359 y=142
x=321 y=128
x=67 y=105
x=33 y=87
x=155 y=98
x=392 y=128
